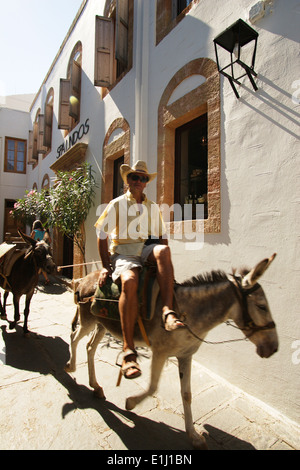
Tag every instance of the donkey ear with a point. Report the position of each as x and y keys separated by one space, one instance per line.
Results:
x=28 y=240
x=252 y=277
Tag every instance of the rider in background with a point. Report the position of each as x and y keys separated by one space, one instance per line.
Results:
x=38 y=233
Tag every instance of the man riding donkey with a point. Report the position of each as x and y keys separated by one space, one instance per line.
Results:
x=137 y=233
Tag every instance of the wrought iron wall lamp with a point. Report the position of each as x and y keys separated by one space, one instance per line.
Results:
x=241 y=62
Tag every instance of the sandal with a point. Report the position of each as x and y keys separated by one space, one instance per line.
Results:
x=174 y=324
x=130 y=366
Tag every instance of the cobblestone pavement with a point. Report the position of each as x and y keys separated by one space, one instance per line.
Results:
x=44 y=408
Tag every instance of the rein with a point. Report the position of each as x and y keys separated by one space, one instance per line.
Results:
x=249 y=323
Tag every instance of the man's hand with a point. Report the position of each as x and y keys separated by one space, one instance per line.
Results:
x=104 y=274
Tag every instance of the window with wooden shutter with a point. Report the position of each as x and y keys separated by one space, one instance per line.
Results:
x=121 y=53
x=75 y=88
x=30 y=148
x=64 y=104
x=48 y=119
x=35 y=141
x=104 y=59
x=169 y=13
x=40 y=140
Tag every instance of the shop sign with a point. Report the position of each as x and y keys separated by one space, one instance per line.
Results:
x=73 y=138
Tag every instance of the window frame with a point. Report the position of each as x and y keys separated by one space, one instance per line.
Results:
x=203 y=99
x=16 y=140
x=167 y=16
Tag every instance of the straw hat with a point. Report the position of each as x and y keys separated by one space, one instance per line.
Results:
x=138 y=167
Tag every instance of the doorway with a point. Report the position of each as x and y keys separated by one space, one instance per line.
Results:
x=11 y=225
x=68 y=253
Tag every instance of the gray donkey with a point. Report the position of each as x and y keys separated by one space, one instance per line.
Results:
x=203 y=302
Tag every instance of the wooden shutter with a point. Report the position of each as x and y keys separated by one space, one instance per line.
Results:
x=104 y=59
x=122 y=32
x=40 y=139
x=64 y=104
x=48 y=126
x=75 y=86
x=30 y=148
x=35 y=141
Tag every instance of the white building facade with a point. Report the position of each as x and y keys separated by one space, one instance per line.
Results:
x=137 y=80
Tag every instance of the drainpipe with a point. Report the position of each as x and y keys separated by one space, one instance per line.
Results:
x=141 y=82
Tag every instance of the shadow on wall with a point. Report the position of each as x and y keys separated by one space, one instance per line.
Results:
x=274 y=103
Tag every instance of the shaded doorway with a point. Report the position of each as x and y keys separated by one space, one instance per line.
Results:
x=11 y=225
x=68 y=252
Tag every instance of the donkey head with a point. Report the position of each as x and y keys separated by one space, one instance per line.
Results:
x=41 y=252
x=255 y=319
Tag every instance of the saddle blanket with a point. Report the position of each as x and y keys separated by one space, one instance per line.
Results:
x=9 y=254
x=106 y=299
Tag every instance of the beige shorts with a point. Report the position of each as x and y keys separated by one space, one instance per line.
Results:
x=123 y=263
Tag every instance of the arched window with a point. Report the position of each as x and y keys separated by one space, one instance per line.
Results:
x=36 y=138
x=70 y=91
x=116 y=150
x=189 y=130
x=46 y=182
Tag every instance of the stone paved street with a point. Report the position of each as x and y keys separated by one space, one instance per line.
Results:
x=43 y=407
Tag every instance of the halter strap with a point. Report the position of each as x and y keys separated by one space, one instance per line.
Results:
x=248 y=321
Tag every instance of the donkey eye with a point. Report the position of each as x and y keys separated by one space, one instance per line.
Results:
x=262 y=307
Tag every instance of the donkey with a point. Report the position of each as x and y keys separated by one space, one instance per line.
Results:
x=203 y=302
x=24 y=276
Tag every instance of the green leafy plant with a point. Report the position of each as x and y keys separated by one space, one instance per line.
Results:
x=25 y=209
x=71 y=199
x=65 y=205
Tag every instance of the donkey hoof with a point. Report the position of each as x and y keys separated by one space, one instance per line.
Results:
x=198 y=441
x=98 y=392
x=12 y=325
x=3 y=317
x=130 y=403
x=69 y=368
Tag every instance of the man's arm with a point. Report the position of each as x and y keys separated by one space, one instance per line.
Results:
x=105 y=258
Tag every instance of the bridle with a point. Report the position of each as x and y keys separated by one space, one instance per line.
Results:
x=248 y=321
x=249 y=325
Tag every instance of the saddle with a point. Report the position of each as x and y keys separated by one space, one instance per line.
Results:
x=105 y=303
x=9 y=254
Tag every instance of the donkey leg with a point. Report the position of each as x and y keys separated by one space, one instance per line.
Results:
x=2 y=310
x=197 y=440
x=16 y=299
x=97 y=335
x=157 y=364
x=81 y=330
x=26 y=312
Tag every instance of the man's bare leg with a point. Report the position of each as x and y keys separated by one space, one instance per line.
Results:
x=165 y=276
x=128 y=308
